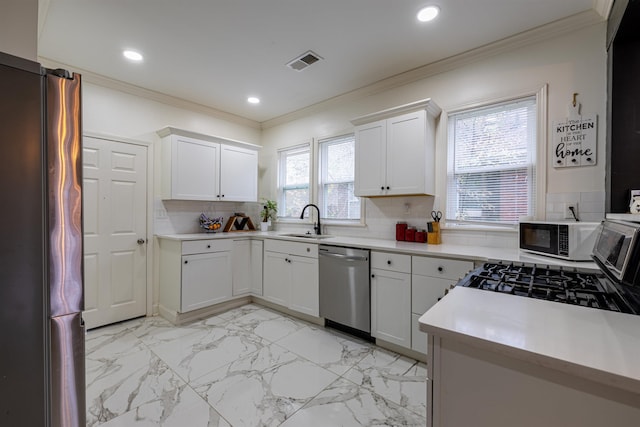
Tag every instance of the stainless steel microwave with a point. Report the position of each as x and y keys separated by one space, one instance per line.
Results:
x=573 y=241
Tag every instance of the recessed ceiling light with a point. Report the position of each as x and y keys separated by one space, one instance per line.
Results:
x=428 y=13
x=253 y=100
x=132 y=55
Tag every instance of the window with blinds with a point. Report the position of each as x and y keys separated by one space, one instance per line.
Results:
x=336 y=177
x=294 y=170
x=492 y=163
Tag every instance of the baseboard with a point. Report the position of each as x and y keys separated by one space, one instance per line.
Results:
x=308 y=318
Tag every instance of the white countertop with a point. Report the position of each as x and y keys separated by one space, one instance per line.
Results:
x=599 y=345
x=473 y=253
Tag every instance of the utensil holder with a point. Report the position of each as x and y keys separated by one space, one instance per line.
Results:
x=433 y=237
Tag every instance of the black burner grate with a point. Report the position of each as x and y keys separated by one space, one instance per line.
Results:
x=570 y=287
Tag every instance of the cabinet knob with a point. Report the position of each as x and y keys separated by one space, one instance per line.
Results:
x=373 y=275
x=382 y=188
x=208 y=246
x=388 y=262
x=186 y=262
x=441 y=269
x=140 y=241
x=387 y=187
x=223 y=195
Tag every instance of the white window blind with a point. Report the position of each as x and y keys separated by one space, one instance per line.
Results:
x=491 y=163
x=293 y=180
x=336 y=177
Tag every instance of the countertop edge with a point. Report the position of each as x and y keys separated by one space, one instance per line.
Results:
x=592 y=373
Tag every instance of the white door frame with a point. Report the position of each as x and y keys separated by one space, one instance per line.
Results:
x=149 y=232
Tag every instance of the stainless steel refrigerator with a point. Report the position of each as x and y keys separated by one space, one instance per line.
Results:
x=42 y=379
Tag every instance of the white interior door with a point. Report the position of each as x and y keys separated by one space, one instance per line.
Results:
x=115 y=228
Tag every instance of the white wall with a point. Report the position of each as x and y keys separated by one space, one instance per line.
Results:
x=19 y=28
x=571 y=63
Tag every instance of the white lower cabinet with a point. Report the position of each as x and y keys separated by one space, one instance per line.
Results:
x=206 y=280
x=391 y=298
x=291 y=275
x=247 y=267
x=194 y=274
x=256 y=266
x=429 y=280
x=277 y=278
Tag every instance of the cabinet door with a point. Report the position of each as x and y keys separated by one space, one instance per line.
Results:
x=406 y=155
x=426 y=291
x=206 y=280
x=256 y=267
x=238 y=174
x=305 y=292
x=277 y=278
x=194 y=169
x=391 y=306
x=370 y=159
x=241 y=255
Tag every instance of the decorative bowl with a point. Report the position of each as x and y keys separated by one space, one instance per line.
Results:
x=210 y=225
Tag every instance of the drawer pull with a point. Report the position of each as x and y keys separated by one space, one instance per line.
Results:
x=373 y=275
x=208 y=246
x=186 y=262
x=388 y=262
x=440 y=269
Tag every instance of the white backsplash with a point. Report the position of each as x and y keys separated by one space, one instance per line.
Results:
x=382 y=214
x=181 y=216
x=590 y=205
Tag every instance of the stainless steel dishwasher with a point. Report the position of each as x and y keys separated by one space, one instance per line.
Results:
x=345 y=288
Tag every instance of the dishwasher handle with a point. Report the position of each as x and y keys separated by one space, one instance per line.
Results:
x=344 y=257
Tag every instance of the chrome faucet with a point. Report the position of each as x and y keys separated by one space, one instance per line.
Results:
x=316 y=227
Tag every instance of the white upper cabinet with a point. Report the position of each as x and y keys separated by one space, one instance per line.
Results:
x=238 y=174
x=202 y=167
x=395 y=151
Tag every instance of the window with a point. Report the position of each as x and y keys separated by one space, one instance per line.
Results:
x=492 y=163
x=336 y=174
x=293 y=180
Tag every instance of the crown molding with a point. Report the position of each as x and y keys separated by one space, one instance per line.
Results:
x=517 y=41
x=603 y=7
x=100 y=80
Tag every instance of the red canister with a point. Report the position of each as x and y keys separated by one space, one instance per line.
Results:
x=410 y=234
x=421 y=236
x=401 y=228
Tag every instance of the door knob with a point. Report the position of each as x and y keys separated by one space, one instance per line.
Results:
x=141 y=241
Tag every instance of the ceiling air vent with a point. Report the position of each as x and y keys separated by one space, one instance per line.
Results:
x=304 y=60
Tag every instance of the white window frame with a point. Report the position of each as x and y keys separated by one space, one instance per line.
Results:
x=320 y=181
x=308 y=147
x=540 y=160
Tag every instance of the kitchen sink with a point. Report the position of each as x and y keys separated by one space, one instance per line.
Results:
x=307 y=235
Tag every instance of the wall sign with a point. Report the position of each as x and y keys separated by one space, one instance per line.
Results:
x=575 y=139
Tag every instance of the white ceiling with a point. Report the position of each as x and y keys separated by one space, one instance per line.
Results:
x=218 y=52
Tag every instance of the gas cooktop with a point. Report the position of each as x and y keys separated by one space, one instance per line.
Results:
x=552 y=284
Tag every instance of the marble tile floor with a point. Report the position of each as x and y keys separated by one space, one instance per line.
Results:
x=250 y=366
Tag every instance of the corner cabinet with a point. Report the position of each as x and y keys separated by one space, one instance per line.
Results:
x=207 y=168
x=395 y=151
x=430 y=278
x=291 y=276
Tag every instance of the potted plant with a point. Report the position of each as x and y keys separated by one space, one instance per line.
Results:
x=268 y=213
